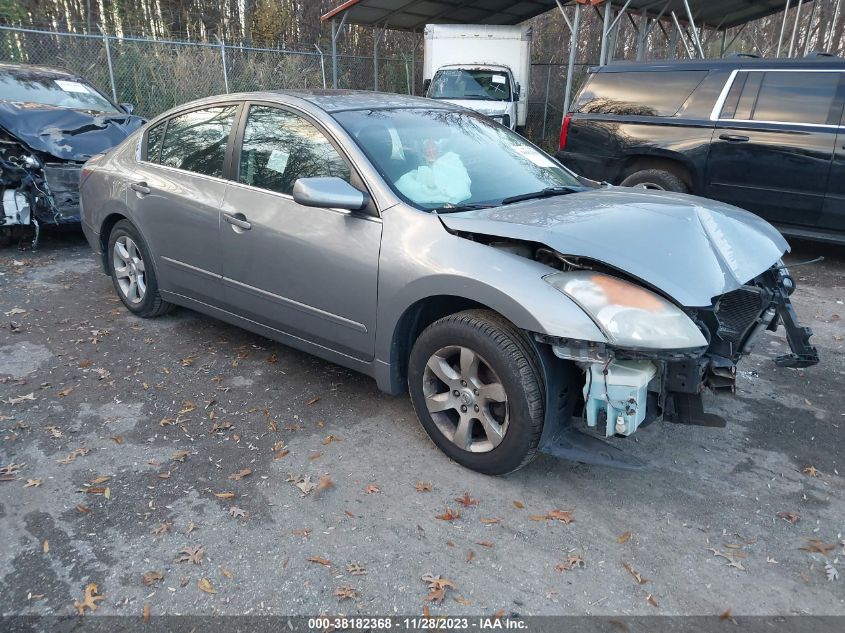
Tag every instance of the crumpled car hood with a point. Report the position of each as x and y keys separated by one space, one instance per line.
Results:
x=66 y=134
x=690 y=248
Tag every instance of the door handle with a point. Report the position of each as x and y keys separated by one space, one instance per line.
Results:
x=140 y=187
x=734 y=138
x=239 y=222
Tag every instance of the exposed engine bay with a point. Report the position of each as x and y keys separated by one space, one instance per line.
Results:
x=623 y=388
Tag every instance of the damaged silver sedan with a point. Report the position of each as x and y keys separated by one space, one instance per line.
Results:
x=525 y=309
x=51 y=122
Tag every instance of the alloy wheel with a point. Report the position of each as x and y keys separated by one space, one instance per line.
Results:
x=466 y=399
x=129 y=270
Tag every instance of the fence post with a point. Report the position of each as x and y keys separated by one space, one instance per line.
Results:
x=111 y=69
x=223 y=59
x=546 y=101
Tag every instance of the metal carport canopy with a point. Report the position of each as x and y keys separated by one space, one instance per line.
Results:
x=413 y=15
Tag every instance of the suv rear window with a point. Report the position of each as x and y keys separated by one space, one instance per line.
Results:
x=647 y=93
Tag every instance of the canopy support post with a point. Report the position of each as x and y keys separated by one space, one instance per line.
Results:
x=573 y=50
x=695 y=39
x=782 y=27
x=810 y=28
x=604 y=33
x=795 y=28
x=337 y=29
x=643 y=35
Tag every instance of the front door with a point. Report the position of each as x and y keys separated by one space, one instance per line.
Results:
x=773 y=143
x=176 y=192
x=311 y=273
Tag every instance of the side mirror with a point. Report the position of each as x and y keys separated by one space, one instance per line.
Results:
x=426 y=84
x=128 y=108
x=328 y=193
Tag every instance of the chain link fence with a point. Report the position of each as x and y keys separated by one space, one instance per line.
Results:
x=155 y=75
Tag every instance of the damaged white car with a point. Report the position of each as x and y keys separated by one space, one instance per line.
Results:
x=51 y=122
x=524 y=308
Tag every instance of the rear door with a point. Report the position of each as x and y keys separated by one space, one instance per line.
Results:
x=309 y=272
x=833 y=213
x=773 y=143
x=175 y=195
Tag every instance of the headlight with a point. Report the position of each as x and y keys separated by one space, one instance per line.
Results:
x=629 y=315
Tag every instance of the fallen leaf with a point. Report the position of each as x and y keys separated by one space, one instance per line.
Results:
x=437 y=587
x=371 y=489
x=466 y=501
x=726 y=615
x=191 y=555
x=565 y=516
x=304 y=533
x=792 y=517
x=329 y=439
x=462 y=601
x=637 y=576
x=424 y=487
x=146 y=613
x=224 y=495
x=243 y=472
x=32 y=483
x=313 y=400
x=305 y=485
x=312 y=455
x=191 y=527
x=831 y=572
x=811 y=471
x=45 y=546
x=324 y=483
x=499 y=614
x=448 y=515
x=162 y=528
x=484 y=543
x=90 y=600
x=117 y=439
x=817 y=546
x=77 y=452
x=573 y=562
x=227 y=573
x=356 y=570
x=187 y=407
x=19 y=399
x=205 y=585
x=167 y=422
x=624 y=538
x=733 y=558
x=83 y=509
x=470 y=556
x=650 y=599
x=96 y=490
x=490 y=521
x=345 y=592
x=518 y=505
x=319 y=560
x=179 y=456
x=152 y=577
x=236 y=512
x=66 y=391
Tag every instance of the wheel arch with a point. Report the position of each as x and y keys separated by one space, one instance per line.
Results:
x=105 y=233
x=666 y=160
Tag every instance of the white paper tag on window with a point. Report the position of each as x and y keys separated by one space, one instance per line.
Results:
x=498 y=79
x=534 y=156
x=278 y=161
x=72 y=86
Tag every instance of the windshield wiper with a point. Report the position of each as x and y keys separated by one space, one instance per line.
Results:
x=548 y=192
x=454 y=208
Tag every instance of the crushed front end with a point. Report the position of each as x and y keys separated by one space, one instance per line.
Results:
x=623 y=387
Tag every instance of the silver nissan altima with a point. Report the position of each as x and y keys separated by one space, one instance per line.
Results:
x=524 y=308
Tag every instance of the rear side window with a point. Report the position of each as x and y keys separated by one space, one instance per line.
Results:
x=196 y=141
x=787 y=97
x=648 y=93
x=154 y=136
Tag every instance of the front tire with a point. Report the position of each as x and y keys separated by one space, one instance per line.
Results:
x=477 y=389
x=132 y=272
x=659 y=179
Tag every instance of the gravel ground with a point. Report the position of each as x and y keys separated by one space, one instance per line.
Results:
x=134 y=446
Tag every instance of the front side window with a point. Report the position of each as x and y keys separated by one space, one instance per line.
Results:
x=457 y=83
x=64 y=92
x=280 y=147
x=440 y=158
x=784 y=97
x=196 y=141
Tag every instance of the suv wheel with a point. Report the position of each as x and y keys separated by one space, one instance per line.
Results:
x=132 y=272
x=659 y=179
x=476 y=388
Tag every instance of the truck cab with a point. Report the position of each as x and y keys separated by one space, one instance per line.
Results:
x=488 y=89
x=480 y=67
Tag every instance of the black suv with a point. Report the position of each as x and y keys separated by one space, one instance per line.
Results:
x=766 y=135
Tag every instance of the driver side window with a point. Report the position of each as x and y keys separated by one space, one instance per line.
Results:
x=280 y=147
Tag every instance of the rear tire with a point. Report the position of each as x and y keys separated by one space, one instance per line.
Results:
x=132 y=272
x=658 y=179
x=477 y=362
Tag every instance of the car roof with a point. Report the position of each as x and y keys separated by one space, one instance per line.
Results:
x=45 y=71
x=330 y=101
x=727 y=63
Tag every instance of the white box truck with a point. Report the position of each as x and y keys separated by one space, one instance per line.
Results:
x=481 y=67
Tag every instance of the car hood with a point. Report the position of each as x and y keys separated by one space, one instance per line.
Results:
x=63 y=133
x=690 y=248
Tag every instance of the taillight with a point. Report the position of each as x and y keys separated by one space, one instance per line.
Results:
x=564 y=129
x=88 y=167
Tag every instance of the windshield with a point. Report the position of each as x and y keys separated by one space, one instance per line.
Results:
x=32 y=87
x=436 y=158
x=457 y=83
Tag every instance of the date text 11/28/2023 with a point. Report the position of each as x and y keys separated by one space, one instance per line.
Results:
x=415 y=623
